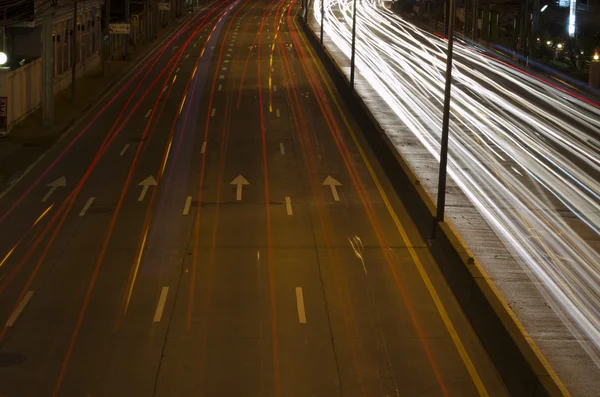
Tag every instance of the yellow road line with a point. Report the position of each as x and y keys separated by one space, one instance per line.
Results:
x=432 y=292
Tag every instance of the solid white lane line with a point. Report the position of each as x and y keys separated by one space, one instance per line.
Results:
x=212 y=114
x=160 y=307
x=124 y=149
x=274 y=87
x=186 y=207
x=19 y=309
x=203 y=147
x=300 y=304
x=277 y=111
x=281 y=148
x=220 y=86
x=148 y=113
x=288 y=206
x=86 y=206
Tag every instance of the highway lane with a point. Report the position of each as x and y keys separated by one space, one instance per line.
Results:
x=281 y=287
x=80 y=241
x=524 y=152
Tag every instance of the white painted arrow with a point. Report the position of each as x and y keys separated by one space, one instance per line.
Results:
x=332 y=183
x=60 y=182
x=145 y=184
x=239 y=181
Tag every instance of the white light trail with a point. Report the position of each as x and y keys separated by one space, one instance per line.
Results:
x=502 y=120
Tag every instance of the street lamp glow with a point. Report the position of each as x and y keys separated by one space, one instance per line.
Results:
x=549 y=43
x=3 y=58
x=559 y=46
x=596 y=57
x=544 y=8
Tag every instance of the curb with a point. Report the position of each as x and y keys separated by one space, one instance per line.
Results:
x=519 y=362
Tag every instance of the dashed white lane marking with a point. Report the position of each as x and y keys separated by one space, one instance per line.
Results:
x=212 y=114
x=160 y=307
x=288 y=206
x=220 y=86
x=517 y=171
x=300 y=304
x=124 y=149
x=194 y=45
x=186 y=207
x=148 y=113
x=186 y=56
x=274 y=87
x=228 y=55
x=221 y=77
x=164 y=89
x=86 y=206
x=281 y=148
x=277 y=112
x=177 y=71
x=19 y=309
x=229 y=49
x=272 y=69
x=226 y=61
x=203 y=147
x=224 y=68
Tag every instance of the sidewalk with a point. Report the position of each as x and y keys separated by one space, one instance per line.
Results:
x=30 y=139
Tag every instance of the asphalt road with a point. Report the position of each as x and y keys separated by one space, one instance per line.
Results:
x=223 y=230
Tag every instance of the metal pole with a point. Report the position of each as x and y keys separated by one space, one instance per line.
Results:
x=352 y=58
x=126 y=43
x=475 y=19
x=47 y=63
x=447 y=6
x=105 y=43
x=441 y=197
x=322 y=19
x=74 y=52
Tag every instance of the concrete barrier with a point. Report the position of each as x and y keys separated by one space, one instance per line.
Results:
x=517 y=359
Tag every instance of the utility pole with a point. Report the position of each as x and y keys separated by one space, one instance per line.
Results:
x=352 y=58
x=105 y=42
x=74 y=52
x=322 y=19
x=126 y=43
x=475 y=19
x=535 y=20
x=441 y=196
x=47 y=64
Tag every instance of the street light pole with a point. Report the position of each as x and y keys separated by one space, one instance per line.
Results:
x=47 y=64
x=105 y=42
x=352 y=58
x=441 y=196
x=322 y=19
x=126 y=43
x=74 y=53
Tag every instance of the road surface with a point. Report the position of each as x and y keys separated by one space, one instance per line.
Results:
x=217 y=226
